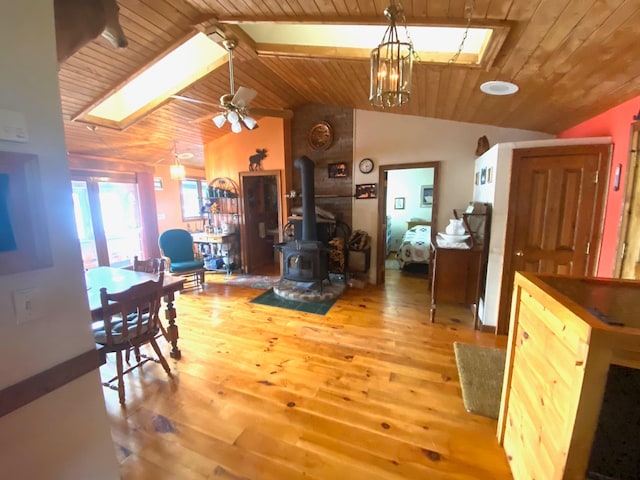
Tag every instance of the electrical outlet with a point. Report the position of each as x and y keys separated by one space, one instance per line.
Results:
x=25 y=303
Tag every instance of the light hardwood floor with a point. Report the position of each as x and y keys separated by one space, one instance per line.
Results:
x=368 y=391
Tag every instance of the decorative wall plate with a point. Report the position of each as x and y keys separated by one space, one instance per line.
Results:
x=320 y=136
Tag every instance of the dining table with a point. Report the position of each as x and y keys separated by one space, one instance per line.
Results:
x=119 y=279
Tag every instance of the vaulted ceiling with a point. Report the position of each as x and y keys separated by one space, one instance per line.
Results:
x=572 y=59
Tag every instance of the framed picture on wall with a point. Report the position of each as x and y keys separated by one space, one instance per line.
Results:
x=367 y=190
x=24 y=241
x=338 y=170
x=426 y=195
x=398 y=203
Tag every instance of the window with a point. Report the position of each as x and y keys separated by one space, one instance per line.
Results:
x=153 y=84
x=193 y=193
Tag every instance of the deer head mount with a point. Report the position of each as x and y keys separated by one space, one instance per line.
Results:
x=80 y=21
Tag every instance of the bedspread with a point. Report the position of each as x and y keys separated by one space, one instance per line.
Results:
x=415 y=246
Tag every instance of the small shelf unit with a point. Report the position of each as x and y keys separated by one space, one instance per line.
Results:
x=220 y=240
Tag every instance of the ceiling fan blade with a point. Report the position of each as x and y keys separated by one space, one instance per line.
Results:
x=243 y=96
x=194 y=100
x=269 y=112
x=204 y=118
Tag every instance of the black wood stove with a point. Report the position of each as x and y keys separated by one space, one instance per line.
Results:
x=306 y=260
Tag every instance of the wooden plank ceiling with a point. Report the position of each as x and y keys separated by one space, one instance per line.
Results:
x=571 y=59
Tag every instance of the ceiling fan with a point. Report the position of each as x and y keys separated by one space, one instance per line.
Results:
x=234 y=106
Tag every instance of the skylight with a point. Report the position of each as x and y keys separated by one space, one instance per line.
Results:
x=432 y=43
x=165 y=76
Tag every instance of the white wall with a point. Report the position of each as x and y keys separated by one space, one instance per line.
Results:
x=497 y=193
x=392 y=139
x=64 y=434
x=406 y=184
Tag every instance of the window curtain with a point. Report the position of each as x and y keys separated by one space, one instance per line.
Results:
x=149 y=215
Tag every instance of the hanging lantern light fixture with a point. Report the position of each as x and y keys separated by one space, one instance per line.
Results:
x=177 y=171
x=391 y=64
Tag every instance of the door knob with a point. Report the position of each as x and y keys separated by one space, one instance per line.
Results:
x=519 y=253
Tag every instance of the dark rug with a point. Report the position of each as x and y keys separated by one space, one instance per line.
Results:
x=271 y=299
x=481 y=370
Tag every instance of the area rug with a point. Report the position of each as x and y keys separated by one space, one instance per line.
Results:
x=262 y=282
x=271 y=299
x=391 y=264
x=481 y=370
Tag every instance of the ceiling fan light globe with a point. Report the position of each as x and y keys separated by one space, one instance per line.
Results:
x=219 y=120
x=236 y=127
x=233 y=117
x=250 y=122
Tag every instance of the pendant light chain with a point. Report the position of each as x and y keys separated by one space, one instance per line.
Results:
x=469 y=11
x=403 y=19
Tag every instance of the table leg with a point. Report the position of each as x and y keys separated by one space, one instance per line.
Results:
x=172 y=329
x=433 y=311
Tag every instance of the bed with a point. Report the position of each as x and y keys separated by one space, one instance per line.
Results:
x=415 y=246
x=388 y=241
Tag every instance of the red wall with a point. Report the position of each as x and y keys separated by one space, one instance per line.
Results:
x=614 y=123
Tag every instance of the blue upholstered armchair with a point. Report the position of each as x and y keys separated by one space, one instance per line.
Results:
x=177 y=247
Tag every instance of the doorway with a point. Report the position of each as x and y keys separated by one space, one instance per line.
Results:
x=262 y=222
x=108 y=220
x=409 y=197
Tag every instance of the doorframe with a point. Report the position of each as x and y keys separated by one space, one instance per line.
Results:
x=243 y=230
x=382 y=208
x=629 y=196
x=505 y=299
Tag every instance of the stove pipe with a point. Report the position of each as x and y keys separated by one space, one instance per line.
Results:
x=309 y=230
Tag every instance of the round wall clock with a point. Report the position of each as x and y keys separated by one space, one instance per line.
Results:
x=366 y=165
x=320 y=136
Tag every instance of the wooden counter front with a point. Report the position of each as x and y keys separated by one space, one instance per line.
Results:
x=564 y=335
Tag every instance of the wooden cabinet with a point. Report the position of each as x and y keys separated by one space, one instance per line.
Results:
x=564 y=335
x=458 y=274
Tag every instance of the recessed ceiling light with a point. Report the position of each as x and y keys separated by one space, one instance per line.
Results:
x=497 y=87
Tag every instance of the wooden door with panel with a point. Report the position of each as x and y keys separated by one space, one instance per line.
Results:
x=556 y=210
x=262 y=219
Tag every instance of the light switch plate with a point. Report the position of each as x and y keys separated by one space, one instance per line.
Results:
x=13 y=126
x=25 y=304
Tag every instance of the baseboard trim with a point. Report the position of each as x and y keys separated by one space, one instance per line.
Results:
x=487 y=328
x=32 y=388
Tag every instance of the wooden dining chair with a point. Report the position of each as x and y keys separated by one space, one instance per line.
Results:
x=150 y=265
x=130 y=320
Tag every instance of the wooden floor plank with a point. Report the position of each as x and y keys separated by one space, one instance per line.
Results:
x=368 y=391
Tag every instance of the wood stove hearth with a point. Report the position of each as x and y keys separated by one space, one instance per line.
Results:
x=306 y=260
